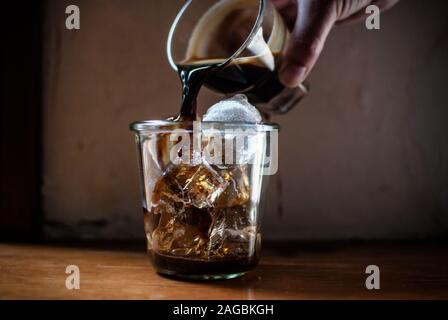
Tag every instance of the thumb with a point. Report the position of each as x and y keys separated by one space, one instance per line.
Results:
x=313 y=24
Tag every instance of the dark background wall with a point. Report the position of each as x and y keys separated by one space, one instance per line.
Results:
x=20 y=120
x=365 y=155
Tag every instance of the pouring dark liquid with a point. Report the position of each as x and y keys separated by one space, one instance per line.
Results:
x=256 y=81
x=218 y=36
x=192 y=78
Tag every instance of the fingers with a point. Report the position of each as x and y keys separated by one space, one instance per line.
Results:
x=288 y=11
x=315 y=18
x=314 y=22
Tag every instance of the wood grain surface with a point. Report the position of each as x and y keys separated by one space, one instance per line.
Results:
x=285 y=272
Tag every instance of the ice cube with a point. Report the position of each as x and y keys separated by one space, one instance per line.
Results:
x=235 y=109
x=198 y=185
x=182 y=228
x=237 y=191
x=240 y=144
x=232 y=232
x=231 y=215
x=183 y=199
x=205 y=186
x=203 y=212
x=177 y=238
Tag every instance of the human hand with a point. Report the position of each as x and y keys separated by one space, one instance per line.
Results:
x=311 y=22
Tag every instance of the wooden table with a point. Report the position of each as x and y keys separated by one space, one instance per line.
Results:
x=301 y=271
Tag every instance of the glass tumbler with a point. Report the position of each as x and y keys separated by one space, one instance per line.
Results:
x=202 y=185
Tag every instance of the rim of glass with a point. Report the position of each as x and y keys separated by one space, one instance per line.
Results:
x=164 y=125
x=256 y=26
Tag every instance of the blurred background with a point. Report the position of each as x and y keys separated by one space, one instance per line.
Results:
x=364 y=156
